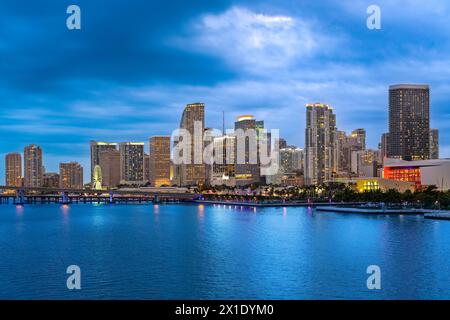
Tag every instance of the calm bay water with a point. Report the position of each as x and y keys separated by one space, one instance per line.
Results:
x=218 y=252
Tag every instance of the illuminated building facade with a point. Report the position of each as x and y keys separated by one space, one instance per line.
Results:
x=224 y=165
x=109 y=161
x=248 y=170
x=98 y=178
x=13 y=170
x=409 y=122
x=33 y=168
x=146 y=167
x=51 y=180
x=131 y=163
x=159 y=161
x=193 y=173
x=320 y=135
x=365 y=163
x=434 y=144
x=384 y=147
x=71 y=175
x=422 y=173
x=291 y=159
x=96 y=149
x=345 y=146
x=375 y=184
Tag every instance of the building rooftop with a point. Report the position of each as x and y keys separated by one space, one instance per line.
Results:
x=409 y=86
x=420 y=163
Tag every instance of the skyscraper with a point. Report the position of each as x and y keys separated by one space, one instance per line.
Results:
x=71 y=175
x=33 y=169
x=434 y=144
x=358 y=139
x=248 y=170
x=320 y=135
x=160 y=161
x=345 y=145
x=289 y=159
x=131 y=163
x=146 y=167
x=224 y=165
x=384 y=147
x=282 y=143
x=298 y=159
x=96 y=148
x=110 y=165
x=193 y=121
x=13 y=173
x=409 y=122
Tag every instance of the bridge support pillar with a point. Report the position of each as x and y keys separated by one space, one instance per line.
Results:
x=20 y=197
x=65 y=198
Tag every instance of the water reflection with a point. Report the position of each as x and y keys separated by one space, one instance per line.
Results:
x=19 y=210
x=201 y=211
x=65 y=209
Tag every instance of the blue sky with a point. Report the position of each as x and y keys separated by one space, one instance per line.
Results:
x=134 y=65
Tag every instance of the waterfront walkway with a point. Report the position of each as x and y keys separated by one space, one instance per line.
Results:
x=275 y=204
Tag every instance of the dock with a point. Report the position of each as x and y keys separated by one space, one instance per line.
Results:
x=438 y=216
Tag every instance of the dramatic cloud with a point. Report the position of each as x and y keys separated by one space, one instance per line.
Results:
x=255 y=41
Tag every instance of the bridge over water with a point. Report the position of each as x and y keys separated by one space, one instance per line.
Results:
x=36 y=195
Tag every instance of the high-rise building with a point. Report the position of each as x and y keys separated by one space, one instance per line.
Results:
x=51 y=180
x=109 y=161
x=282 y=144
x=409 y=122
x=71 y=175
x=96 y=148
x=248 y=168
x=160 y=161
x=384 y=147
x=434 y=144
x=320 y=135
x=365 y=163
x=33 y=169
x=192 y=171
x=342 y=155
x=146 y=168
x=290 y=159
x=224 y=164
x=358 y=139
x=131 y=163
x=13 y=174
x=298 y=159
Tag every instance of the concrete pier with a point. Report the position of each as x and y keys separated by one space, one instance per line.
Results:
x=438 y=216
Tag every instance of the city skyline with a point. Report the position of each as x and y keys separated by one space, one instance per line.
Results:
x=62 y=108
x=329 y=154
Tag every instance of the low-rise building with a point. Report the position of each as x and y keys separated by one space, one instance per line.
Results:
x=422 y=173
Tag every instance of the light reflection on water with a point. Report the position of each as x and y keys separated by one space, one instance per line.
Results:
x=219 y=252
